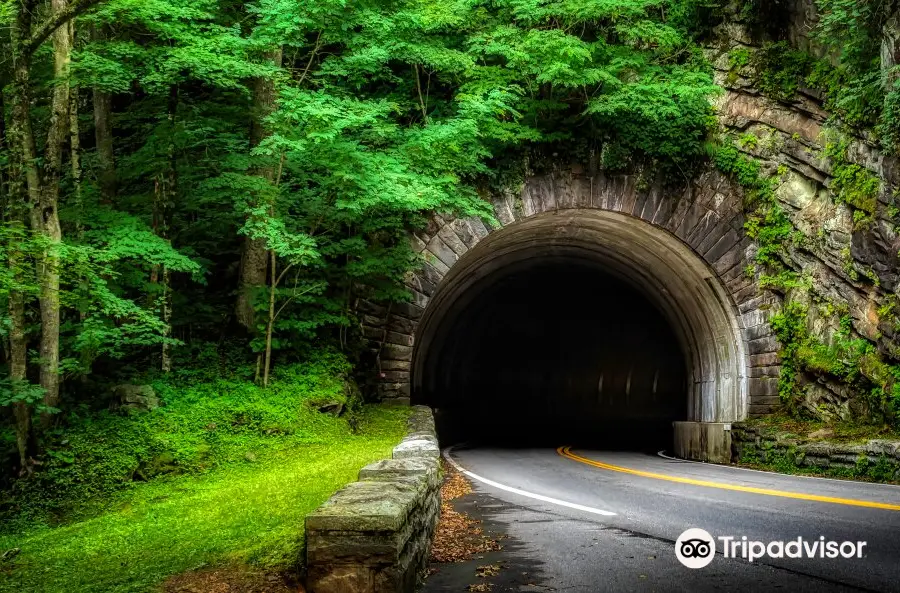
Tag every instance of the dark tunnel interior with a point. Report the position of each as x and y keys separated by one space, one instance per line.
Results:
x=554 y=353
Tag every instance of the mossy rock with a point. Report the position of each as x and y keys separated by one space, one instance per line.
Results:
x=164 y=463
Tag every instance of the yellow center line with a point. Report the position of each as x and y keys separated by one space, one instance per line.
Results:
x=567 y=453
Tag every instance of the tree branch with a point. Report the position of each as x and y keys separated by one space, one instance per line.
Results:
x=419 y=88
x=312 y=56
x=54 y=22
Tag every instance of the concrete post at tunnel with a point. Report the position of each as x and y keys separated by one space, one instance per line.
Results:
x=703 y=441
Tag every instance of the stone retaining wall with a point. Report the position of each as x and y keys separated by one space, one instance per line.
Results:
x=374 y=535
x=876 y=459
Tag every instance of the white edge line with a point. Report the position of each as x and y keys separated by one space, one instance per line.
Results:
x=540 y=497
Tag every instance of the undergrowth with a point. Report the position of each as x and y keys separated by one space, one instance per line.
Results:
x=246 y=516
x=199 y=427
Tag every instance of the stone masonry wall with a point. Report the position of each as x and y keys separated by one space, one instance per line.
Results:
x=875 y=459
x=374 y=535
x=706 y=214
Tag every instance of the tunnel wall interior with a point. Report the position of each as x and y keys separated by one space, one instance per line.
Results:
x=582 y=320
x=555 y=349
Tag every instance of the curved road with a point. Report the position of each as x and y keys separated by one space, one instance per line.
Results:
x=581 y=520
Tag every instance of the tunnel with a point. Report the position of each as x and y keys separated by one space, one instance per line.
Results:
x=580 y=327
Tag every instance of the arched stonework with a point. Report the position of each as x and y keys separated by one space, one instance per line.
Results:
x=697 y=235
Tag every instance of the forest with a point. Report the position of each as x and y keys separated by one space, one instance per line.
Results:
x=203 y=184
x=194 y=194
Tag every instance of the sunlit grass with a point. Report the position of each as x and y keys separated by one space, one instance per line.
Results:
x=247 y=513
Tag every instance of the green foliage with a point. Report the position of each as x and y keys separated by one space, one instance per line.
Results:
x=888 y=128
x=381 y=114
x=889 y=311
x=781 y=70
x=202 y=425
x=789 y=326
x=853 y=27
x=788 y=459
x=738 y=58
x=12 y=392
x=853 y=98
x=748 y=141
x=766 y=222
x=243 y=513
x=851 y=183
x=856 y=91
x=854 y=361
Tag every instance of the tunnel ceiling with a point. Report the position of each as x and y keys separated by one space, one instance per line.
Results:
x=591 y=249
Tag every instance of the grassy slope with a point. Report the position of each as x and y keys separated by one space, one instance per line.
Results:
x=240 y=513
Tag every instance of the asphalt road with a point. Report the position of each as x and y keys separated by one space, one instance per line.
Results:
x=596 y=527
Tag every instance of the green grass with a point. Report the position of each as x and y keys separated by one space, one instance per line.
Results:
x=204 y=424
x=238 y=514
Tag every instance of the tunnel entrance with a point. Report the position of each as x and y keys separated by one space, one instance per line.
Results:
x=582 y=327
x=558 y=351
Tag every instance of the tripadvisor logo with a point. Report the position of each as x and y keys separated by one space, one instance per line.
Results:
x=696 y=548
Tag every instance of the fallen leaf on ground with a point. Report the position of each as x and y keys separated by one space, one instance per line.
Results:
x=489 y=570
x=458 y=537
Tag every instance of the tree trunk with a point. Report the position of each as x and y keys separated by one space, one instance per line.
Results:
x=45 y=218
x=21 y=133
x=103 y=136
x=18 y=348
x=75 y=146
x=24 y=188
x=169 y=195
x=270 y=326
x=254 y=252
x=163 y=202
x=166 y=364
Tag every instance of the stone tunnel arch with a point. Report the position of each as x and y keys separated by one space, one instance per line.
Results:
x=686 y=253
x=654 y=262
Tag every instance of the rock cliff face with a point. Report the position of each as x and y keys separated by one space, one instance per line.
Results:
x=846 y=251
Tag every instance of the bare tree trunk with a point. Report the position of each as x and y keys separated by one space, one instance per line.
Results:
x=254 y=252
x=271 y=322
x=21 y=131
x=24 y=188
x=166 y=364
x=103 y=135
x=45 y=218
x=169 y=195
x=6 y=204
x=163 y=202
x=18 y=348
x=18 y=343
x=75 y=145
